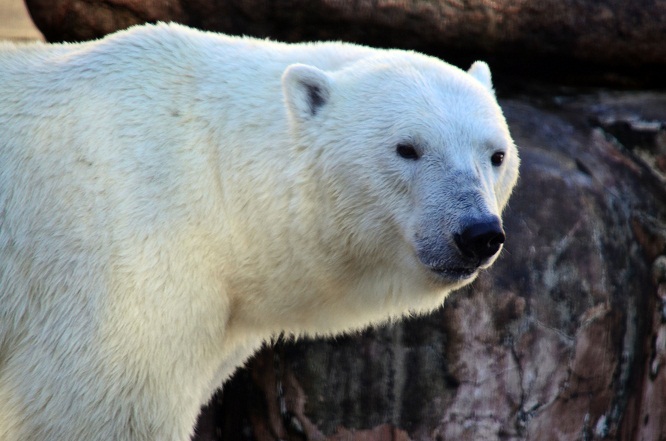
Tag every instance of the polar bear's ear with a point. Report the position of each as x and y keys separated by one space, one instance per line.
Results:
x=306 y=90
x=481 y=72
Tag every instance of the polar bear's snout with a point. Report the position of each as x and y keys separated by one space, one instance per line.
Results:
x=460 y=254
x=480 y=239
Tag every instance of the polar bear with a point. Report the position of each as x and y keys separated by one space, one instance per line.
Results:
x=170 y=198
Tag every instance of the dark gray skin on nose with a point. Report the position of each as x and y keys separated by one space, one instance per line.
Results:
x=459 y=232
x=459 y=255
x=480 y=239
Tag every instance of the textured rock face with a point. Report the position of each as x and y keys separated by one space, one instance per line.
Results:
x=533 y=36
x=563 y=339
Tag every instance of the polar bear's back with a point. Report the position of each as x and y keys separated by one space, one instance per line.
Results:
x=156 y=47
x=49 y=92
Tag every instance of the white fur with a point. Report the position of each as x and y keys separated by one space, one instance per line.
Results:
x=170 y=198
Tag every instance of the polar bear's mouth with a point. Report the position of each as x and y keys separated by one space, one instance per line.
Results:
x=455 y=273
x=449 y=269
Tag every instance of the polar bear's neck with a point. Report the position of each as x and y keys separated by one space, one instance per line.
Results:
x=283 y=240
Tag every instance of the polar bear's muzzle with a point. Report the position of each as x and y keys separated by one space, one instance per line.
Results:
x=462 y=254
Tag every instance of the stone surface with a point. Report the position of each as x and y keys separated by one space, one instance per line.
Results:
x=613 y=40
x=563 y=339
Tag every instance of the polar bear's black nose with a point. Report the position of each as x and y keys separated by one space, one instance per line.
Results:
x=481 y=239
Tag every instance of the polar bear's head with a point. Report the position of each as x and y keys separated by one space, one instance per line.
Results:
x=414 y=164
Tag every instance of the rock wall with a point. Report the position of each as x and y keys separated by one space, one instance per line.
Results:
x=618 y=41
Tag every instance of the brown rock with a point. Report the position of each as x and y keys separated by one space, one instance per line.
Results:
x=385 y=432
x=549 y=36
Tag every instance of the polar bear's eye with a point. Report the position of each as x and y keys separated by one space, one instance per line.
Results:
x=497 y=158
x=407 y=151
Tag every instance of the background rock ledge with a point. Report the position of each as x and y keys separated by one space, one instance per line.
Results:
x=616 y=41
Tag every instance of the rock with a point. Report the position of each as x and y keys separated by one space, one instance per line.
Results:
x=563 y=339
x=613 y=40
x=74 y=20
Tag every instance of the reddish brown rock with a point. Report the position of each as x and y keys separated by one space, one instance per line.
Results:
x=555 y=37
